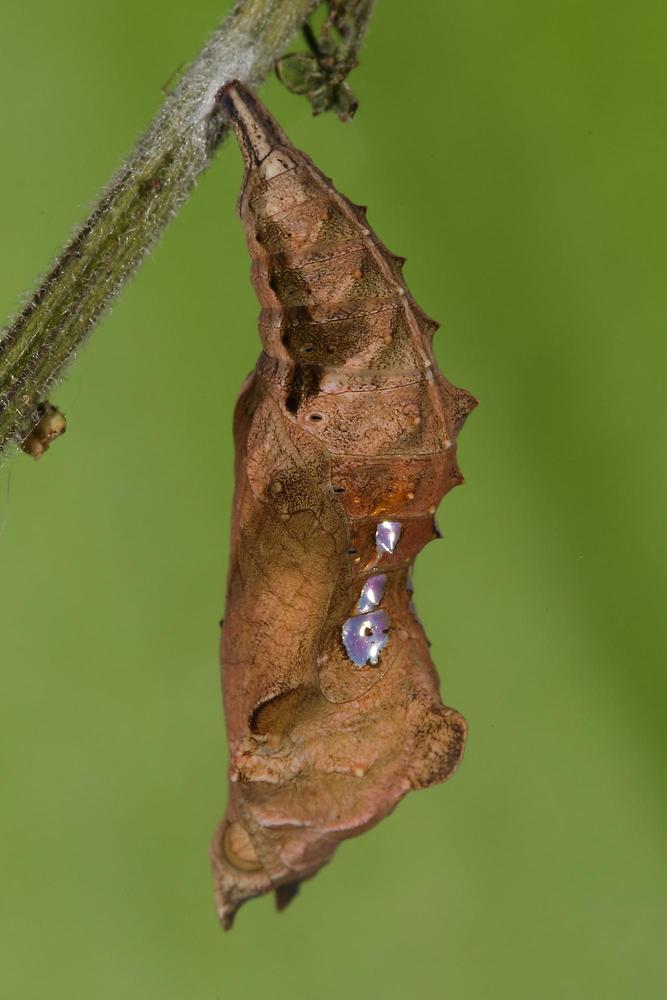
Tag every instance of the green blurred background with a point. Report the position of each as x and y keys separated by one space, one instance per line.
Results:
x=515 y=152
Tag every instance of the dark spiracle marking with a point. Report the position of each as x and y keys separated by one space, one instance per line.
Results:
x=304 y=383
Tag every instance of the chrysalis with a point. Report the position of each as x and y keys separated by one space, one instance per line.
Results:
x=345 y=443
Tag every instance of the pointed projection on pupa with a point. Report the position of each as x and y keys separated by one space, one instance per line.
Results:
x=345 y=443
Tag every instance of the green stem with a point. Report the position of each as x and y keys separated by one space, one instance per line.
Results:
x=134 y=209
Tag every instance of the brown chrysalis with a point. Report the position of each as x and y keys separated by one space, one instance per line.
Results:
x=345 y=443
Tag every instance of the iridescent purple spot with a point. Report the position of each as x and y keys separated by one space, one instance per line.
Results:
x=387 y=535
x=371 y=593
x=365 y=636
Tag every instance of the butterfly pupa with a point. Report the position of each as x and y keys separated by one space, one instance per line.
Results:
x=345 y=440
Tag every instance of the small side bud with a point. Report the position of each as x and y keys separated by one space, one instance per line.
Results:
x=51 y=425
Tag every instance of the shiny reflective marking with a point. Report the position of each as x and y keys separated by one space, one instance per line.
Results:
x=371 y=593
x=387 y=535
x=365 y=636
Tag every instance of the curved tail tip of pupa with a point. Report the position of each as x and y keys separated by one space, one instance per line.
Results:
x=226 y=918
x=285 y=894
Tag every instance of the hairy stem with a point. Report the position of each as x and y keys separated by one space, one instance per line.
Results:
x=134 y=209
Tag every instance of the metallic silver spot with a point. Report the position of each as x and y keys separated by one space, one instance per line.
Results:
x=365 y=636
x=371 y=593
x=387 y=535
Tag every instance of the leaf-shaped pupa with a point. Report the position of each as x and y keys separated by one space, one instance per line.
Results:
x=345 y=444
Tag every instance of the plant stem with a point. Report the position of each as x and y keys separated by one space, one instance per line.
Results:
x=134 y=209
